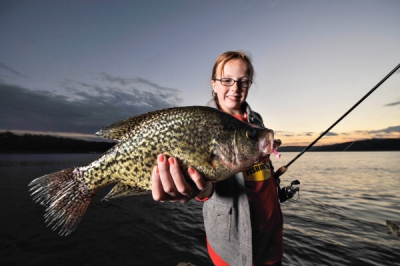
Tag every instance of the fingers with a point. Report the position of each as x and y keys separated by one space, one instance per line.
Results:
x=165 y=176
x=197 y=178
x=179 y=181
x=156 y=186
x=168 y=182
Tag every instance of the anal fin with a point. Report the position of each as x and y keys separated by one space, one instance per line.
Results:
x=124 y=190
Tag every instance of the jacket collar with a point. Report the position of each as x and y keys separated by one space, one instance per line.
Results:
x=254 y=118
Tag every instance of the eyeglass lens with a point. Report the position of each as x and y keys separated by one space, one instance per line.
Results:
x=230 y=82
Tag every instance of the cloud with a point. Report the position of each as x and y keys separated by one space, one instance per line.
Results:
x=11 y=70
x=388 y=130
x=88 y=137
x=393 y=104
x=292 y=134
x=115 y=79
x=83 y=107
x=330 y=134
x=308 y=134
x=123 y=81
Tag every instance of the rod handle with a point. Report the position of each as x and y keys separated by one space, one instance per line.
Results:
x=280 y=171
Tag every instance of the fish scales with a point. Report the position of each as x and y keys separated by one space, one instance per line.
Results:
x=145 y=141
x=215 y=143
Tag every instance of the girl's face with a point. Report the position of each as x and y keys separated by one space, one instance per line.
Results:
x=231 y=98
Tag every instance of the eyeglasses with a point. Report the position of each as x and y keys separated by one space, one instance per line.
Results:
x=229 y=82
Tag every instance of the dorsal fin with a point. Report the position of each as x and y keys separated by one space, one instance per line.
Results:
x=118 y=129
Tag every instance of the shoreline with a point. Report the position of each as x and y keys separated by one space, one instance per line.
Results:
x=11 y=143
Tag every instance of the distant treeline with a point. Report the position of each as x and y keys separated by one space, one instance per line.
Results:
x=12 y=143
x=360 y=145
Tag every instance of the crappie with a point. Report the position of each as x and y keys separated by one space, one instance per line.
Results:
x=215 y=143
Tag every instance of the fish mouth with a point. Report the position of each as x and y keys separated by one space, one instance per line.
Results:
x=266 y=147
x=267 y=144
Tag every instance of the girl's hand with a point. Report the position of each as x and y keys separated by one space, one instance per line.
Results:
x=169 y=184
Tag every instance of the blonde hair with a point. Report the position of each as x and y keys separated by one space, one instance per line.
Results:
x=226 y=57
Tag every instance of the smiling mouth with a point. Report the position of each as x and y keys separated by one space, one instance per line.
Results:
x=232 y=97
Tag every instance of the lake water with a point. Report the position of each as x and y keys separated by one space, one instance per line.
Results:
x=339 y=219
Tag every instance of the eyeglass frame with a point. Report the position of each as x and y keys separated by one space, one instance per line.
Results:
x=239 y=82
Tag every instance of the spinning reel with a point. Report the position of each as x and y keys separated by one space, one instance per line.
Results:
x=289 y=191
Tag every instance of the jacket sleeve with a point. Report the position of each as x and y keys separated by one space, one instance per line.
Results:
x=203 y=199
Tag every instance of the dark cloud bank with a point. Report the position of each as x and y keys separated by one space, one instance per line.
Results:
x=85 y=108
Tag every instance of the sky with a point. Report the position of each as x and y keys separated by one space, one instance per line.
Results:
x=69 y=68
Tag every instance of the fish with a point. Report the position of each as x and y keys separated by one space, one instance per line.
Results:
x=393 y=228
x=213 y=142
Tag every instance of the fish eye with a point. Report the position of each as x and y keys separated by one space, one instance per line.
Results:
x=252 y=134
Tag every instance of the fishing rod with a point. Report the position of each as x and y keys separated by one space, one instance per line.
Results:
x=283 y=169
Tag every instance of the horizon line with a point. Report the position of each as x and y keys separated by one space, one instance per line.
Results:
x=90 y=137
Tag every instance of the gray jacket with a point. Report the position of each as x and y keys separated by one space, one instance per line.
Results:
x=227 y=214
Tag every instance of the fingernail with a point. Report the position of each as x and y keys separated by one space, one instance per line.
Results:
x=171 y=161
x=191 y=171
x=161 y=158
x=157 y=171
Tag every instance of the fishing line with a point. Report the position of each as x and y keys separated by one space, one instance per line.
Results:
x=370 y=126
x=283 y=169
x=349 y=146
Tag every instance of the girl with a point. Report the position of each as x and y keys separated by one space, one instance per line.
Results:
x=242 y=214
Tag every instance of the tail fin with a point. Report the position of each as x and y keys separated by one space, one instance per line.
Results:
x=65 y=198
